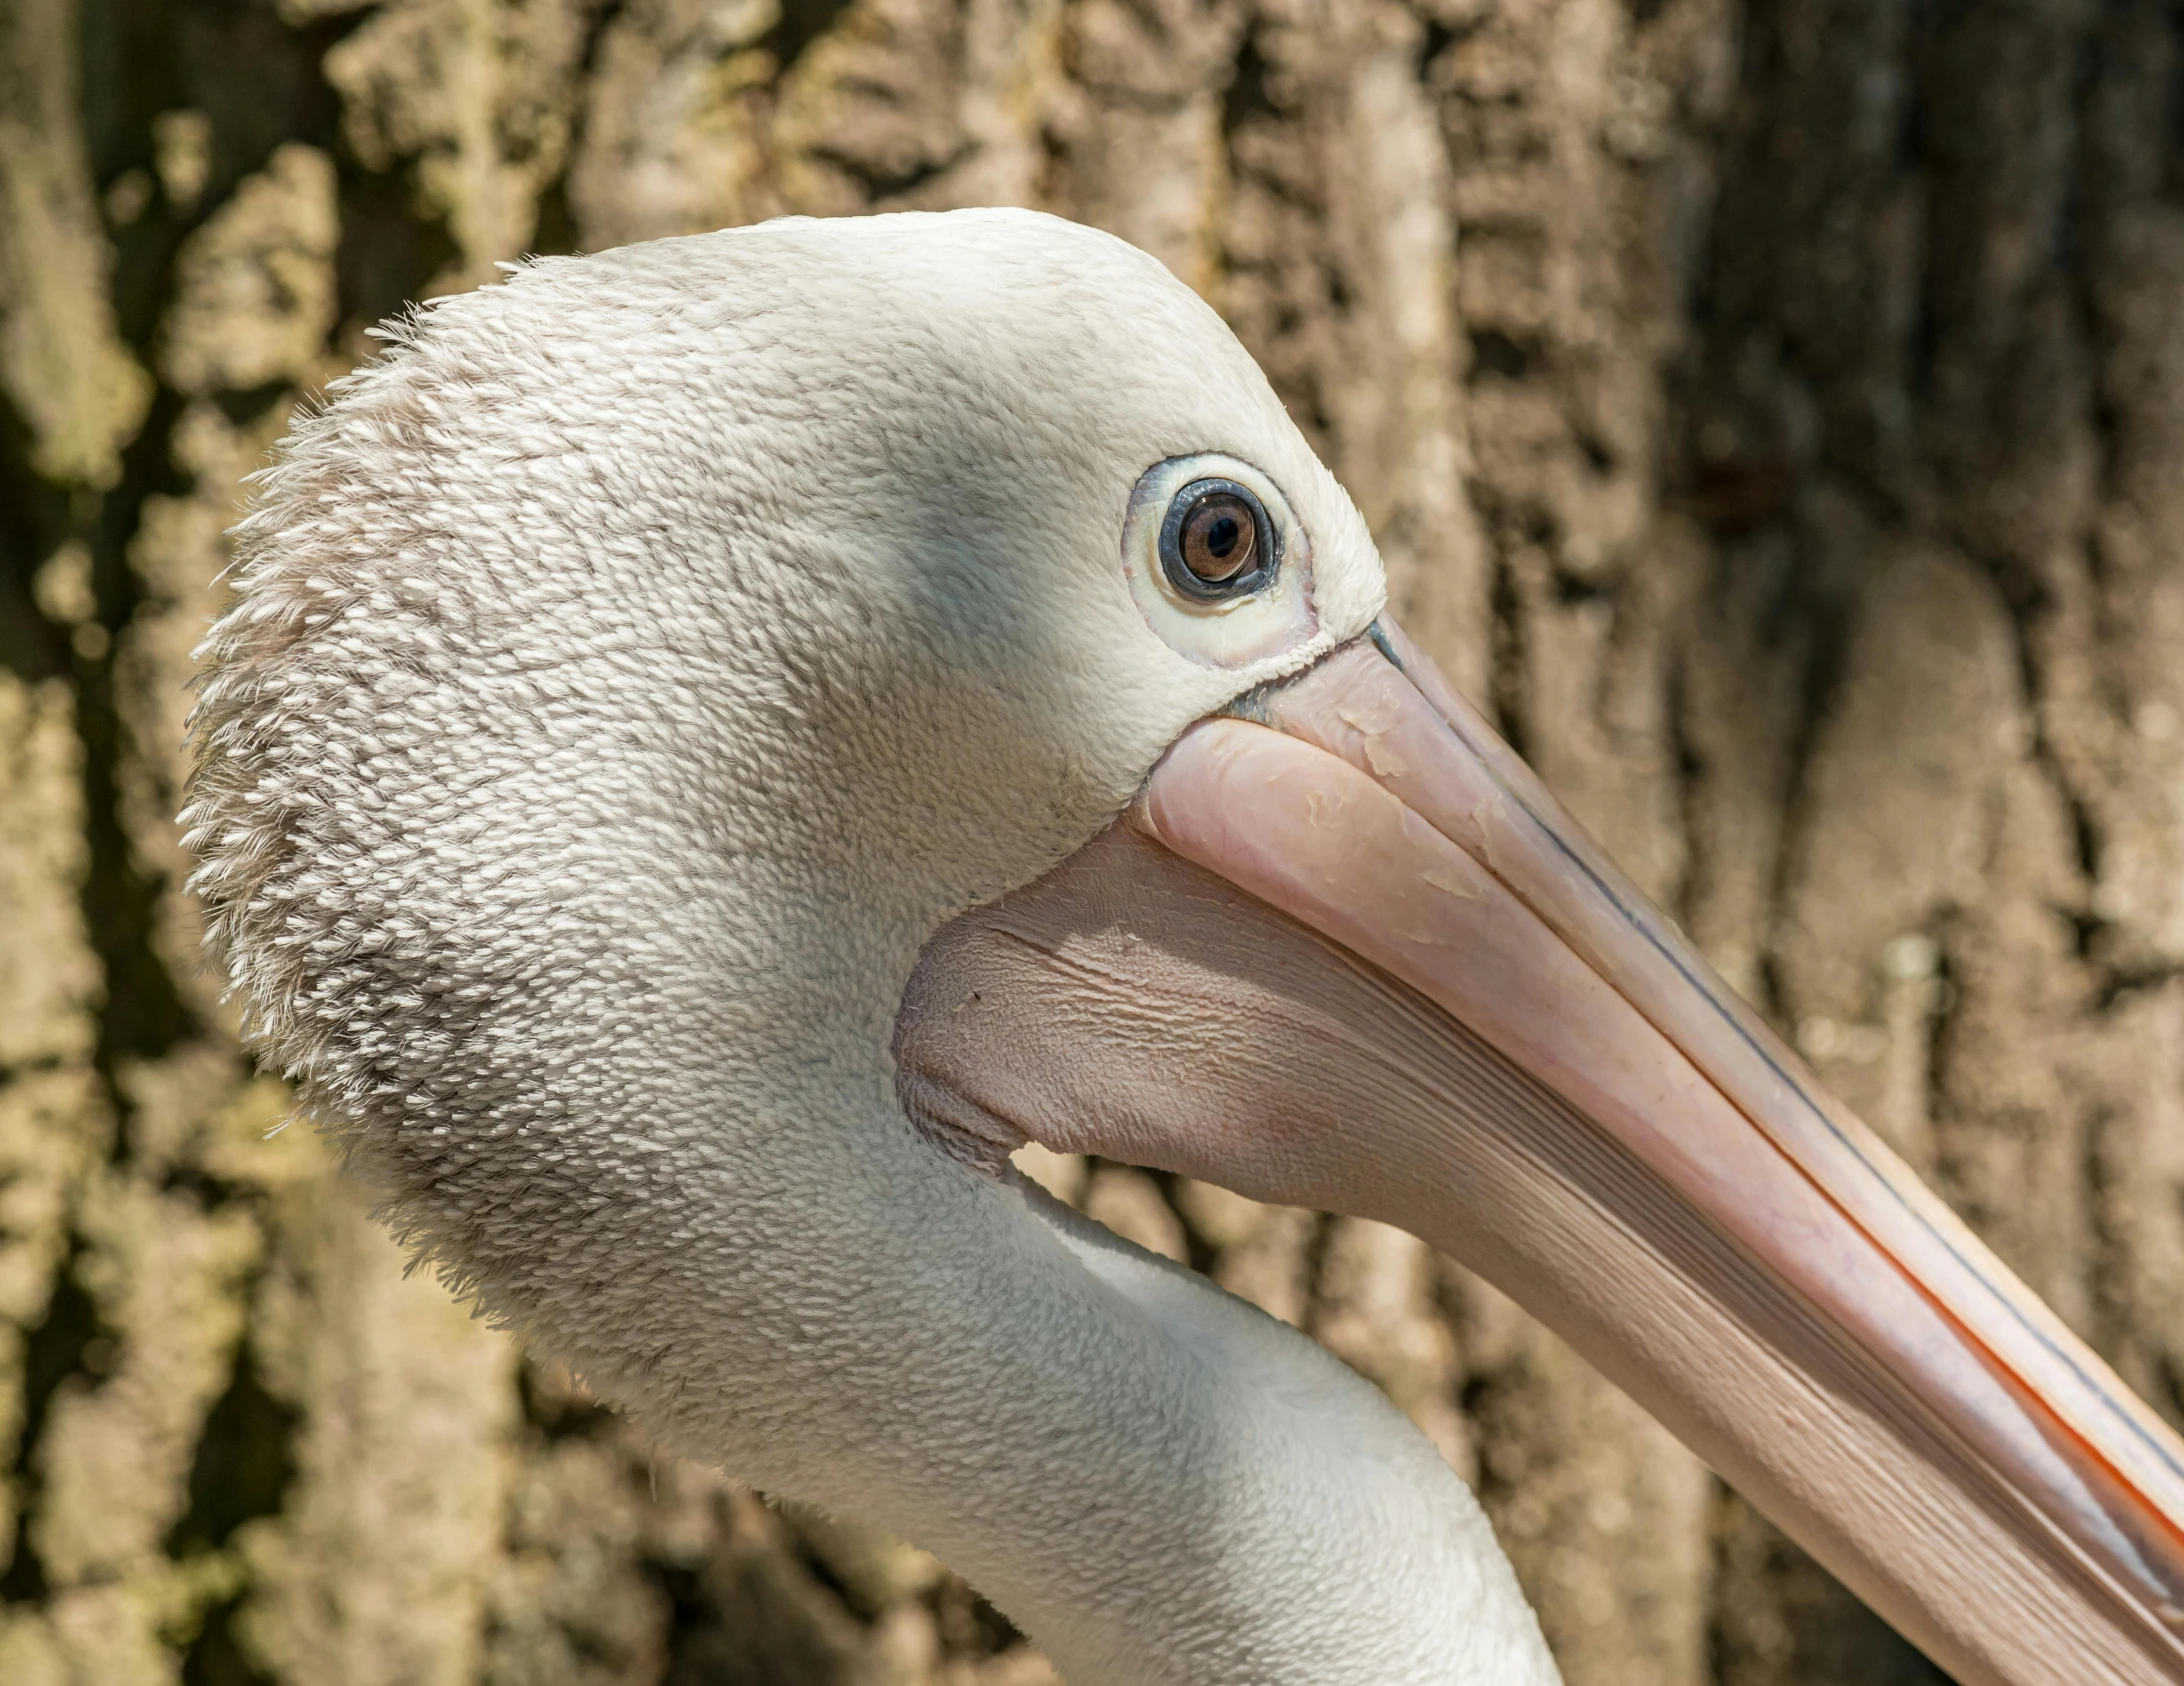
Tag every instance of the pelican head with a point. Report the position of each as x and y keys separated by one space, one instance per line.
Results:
x=718 y=742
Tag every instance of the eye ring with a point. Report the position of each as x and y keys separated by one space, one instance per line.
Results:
x=1217 y=543
x=1258 y=613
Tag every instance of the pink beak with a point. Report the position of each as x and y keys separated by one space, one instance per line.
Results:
x=1437 y=1004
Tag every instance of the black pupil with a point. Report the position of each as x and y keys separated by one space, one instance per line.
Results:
x=1218 y=539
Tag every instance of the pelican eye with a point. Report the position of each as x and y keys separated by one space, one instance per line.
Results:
x=1217 y=561
x=1217 y=542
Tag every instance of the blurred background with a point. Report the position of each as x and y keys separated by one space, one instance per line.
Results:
x=1773 y=412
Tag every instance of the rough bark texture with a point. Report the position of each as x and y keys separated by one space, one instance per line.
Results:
x=1774 y=410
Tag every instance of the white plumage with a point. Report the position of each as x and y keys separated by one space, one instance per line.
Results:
x=639 y=668
x=628 y=674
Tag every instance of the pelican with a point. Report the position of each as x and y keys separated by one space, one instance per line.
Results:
x=717 y=743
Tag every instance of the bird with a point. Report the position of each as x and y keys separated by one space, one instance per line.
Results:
x=715 y=744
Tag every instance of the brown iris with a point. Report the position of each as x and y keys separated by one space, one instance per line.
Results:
x=1216 y=542
x=1220 y=539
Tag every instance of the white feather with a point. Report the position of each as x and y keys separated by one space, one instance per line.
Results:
x=628 y=673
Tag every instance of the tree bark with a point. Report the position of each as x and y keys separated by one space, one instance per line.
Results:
x=1774 y=411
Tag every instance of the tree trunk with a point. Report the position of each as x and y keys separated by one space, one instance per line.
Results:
x=1775 y=415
